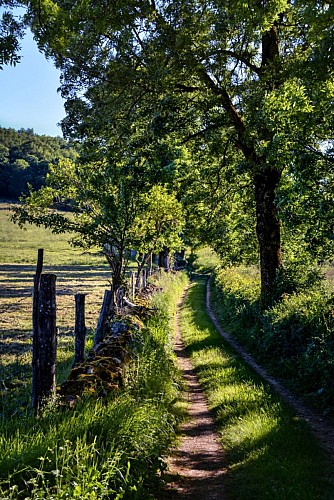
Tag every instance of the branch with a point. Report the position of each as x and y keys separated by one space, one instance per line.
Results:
x=244 y=58
x=233 y=114
x=324 y=156
x=186 y=88
x=213 y=126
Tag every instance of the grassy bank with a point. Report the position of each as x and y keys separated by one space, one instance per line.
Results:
x=101 y=449
x=293 y=338
x=269 y=452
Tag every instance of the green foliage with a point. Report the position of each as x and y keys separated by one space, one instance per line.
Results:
x=101 y=449
x=295 y=336
x=11 y=31
x=298 y=335
x=298 y=275
x=25 y=159
x=207 y=99
x=159 y=222
x=268 y=451
x=240 y=295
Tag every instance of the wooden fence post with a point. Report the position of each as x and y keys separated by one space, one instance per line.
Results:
x=35 y=343
x=150 y=265
x=44 y=366
x=144 y=278
x=80 y=328
x=103 y=318
x=133 y=285
x=119 y=299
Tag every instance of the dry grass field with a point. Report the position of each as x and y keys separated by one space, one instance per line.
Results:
x=76 y=272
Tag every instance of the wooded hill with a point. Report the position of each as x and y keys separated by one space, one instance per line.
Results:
x=25 y=158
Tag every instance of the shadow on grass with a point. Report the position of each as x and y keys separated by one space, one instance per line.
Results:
x=269 y=452
x=15 y=388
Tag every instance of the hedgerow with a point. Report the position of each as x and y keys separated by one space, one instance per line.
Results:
x=294 y=337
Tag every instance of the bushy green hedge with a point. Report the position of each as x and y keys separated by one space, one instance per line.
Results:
x=108 y=448
x=295 y=337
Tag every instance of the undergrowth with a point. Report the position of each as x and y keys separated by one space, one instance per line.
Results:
x=294 y=338
x=109 y=448
x=269 y=452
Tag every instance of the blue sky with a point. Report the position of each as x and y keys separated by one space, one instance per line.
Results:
x=28 y=91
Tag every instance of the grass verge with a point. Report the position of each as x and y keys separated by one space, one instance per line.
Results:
x=107 y=448
x=270 y=453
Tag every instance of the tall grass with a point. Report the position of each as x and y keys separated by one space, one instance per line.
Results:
x=294 y=338
x=101 y=449
x=269 y=452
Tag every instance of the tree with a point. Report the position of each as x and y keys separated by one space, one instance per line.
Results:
x=158 y=224
x=11 y=31
x=25 y=158
x=107 y=210
x=246 y=73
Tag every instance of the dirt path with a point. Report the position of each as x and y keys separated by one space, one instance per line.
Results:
x=321 y=426
x=197 y=466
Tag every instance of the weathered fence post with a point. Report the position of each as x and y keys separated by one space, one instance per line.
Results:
x=80 y=328
x=144 y=283
x=119 y=299
x=35 y=343
x=104 y=315
x=44 y=365
x=150 y=265
x=133 y=285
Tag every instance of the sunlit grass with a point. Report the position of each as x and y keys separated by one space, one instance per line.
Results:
x=101 y=449
x=20 y=246
x=270 y=453
x=205 y=259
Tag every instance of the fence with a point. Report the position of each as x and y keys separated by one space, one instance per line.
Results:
x=45 y=329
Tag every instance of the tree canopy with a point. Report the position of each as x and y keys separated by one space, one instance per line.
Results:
x=231 y=103
x=12 y=29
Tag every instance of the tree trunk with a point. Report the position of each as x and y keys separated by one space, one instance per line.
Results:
x=164 y=259
x=268 y=231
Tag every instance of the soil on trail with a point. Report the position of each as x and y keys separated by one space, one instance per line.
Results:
x=322 y=427
x=196 y=469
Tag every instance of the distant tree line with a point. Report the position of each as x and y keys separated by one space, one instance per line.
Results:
x=25 y=159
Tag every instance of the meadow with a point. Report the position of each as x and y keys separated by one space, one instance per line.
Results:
x=76 y=271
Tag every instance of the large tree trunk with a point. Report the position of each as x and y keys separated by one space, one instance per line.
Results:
x=268 y=230
x=164 y=259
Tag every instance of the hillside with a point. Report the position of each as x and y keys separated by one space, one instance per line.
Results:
x=25 y=158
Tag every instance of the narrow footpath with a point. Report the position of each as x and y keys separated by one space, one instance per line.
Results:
x=197 y=469
x=197 y=466
x=321 y=426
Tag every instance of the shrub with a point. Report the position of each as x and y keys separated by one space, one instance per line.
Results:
x=295 y=337
x=296 y=276
x=237 y=290
x=298 y=333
